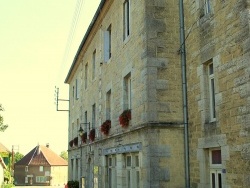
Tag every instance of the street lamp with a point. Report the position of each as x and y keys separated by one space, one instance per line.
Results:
x=81 y=132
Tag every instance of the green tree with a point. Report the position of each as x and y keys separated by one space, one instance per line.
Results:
x=17 y=157
x=64 y=155
x=2 y=126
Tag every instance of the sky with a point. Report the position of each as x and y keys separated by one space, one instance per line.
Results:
x=38 y=42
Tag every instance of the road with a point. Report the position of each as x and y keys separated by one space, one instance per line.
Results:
x=39 y=186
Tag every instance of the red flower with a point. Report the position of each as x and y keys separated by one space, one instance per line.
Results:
x=125 y=117
x=105 y=127
x=71 y=143
x=92 y=135
x=84 y=137
x=75 y=141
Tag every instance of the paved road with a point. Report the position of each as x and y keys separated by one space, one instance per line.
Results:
x=39 y=186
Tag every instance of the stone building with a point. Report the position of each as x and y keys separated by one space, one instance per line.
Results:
x=128 y=67
x=128 y=62
x=218 y=68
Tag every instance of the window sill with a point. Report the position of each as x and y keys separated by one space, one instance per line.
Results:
x=126 y=40
x=206 y=18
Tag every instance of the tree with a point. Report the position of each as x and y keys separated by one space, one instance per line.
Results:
x=64 y=155
x=17 y=157
x=2 y=126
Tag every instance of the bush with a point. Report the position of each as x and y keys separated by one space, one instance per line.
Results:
x=8 y=185
x=73 y=184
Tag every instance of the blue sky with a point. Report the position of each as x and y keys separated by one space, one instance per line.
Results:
x=33 y=39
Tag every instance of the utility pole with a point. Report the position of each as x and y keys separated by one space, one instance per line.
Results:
x=57 y=100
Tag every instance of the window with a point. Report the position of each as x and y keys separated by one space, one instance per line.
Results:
x=77 y=128
x=73 y=94
x=93 y=65
x=129 y=171
x=41 y=168
x=111 y=171
x=77 y=169
x=215 y=162
x=26 y=169
x=77 y=89
x=127 y=92
x=86 y=76
x=206 y=7
x=41 y=179
x=126 y=19
x=211 y=84
x=86 y=121
x=108 y=105
x=72 y=168
x=107 y=44
x=132 y=170
x=93 y=115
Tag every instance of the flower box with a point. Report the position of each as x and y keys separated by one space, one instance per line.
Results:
x=105 y=127
x=75 y=141
x=124 y=118
x=92 y=135
x=84 y=137
x=71 y=143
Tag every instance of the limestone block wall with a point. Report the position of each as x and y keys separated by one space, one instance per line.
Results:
x=221 y=37
x=150 y=56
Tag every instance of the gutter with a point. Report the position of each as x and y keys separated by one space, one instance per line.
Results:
x=184 y=94
x=97 y=13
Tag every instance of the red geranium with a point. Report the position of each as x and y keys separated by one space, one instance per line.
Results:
x=71 y=143
x=125 y=117
x=92 y=135
x=75 y=141
x=84 y=137
x=105 y=127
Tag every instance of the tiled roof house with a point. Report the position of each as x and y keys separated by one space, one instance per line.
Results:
x=41 y=166
x=4 y=153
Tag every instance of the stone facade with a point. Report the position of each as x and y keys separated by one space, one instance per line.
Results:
x=149 y=152
x=219 y=36
x=144 y=74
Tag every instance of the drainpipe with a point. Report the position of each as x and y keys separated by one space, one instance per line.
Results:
x=184 y=93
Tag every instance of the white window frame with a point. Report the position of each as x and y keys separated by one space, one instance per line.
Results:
x=77 y=89
x=211 y=83
x=73 y=94
x=132 y=180
x=207 y=6
x=126 y=19
x=93 y=115
x=40 y=168
x=127 y=92
x=111 y=171
x=107 y=44
x=215 y=169
x=108 y=105
x=86 y=75
x=94 y=65
x=86 y=128
x=26 y=168
x=41 y=179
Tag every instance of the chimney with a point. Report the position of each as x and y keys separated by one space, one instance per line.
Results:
x=47 y=145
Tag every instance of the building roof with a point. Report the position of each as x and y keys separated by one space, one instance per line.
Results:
x=97 y=13
x=3 y=149
x=42 y=156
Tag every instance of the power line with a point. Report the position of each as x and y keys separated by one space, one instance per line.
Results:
x=71 y=36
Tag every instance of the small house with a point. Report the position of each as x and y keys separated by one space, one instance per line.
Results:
x=41 y=166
